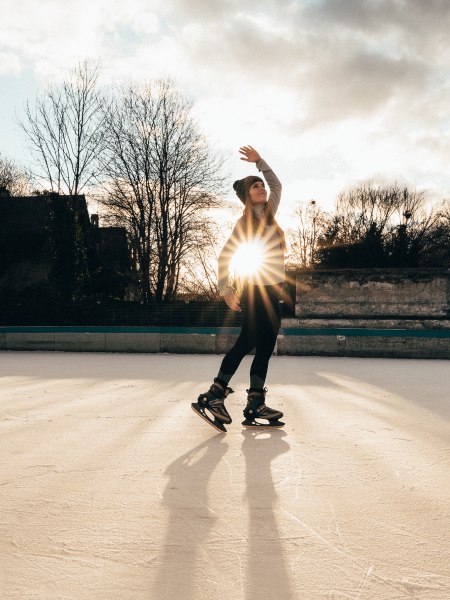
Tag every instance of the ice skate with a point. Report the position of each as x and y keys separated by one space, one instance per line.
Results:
x=256 y=409
x=213 y=402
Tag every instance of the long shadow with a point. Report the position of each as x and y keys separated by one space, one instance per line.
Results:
x=190 y=521
x=267 y=574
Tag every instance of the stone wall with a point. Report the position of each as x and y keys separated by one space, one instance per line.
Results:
x=407 y=293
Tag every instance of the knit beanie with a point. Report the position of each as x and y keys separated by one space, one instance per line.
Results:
x=242 y=186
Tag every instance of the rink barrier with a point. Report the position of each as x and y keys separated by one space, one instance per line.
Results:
x=350 y=331
x=348 y=341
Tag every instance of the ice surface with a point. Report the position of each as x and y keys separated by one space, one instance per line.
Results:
x=112 y=488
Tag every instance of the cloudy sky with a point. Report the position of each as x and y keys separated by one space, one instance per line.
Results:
x=330 y=91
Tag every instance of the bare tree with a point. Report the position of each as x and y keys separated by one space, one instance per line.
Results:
x=421 y=227
x=366 y=207
x=15 y=179
x=64 y=128
x=444 y=213
x=378 y=225
x=199 y=274
x=304 y=237
x=160 y=178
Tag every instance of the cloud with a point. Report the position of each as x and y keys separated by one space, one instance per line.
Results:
x=339 y=58
x=411 y=20
x=50 y=36
x=359 y=83
x=334 y=71
x=10 y=63
x=351 y=88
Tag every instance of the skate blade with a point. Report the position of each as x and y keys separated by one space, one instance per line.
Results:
x=256 y=425
x=201 y=413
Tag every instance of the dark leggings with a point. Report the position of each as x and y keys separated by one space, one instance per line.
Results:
x=260 y=327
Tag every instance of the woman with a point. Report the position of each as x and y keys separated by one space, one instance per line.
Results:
x=261 y=320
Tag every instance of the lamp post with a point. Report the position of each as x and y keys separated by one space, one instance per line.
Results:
x=403 y=240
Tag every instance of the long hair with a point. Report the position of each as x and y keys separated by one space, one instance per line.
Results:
x=254 y=227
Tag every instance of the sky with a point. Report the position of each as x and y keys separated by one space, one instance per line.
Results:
x=331 y=92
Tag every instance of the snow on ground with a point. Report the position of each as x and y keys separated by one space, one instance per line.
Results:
x=112 y=488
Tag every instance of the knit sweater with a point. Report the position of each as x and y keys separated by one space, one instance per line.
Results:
x=271 y=266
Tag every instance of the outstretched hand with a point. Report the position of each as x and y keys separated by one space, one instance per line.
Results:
x=250 y=154
x=232 y=302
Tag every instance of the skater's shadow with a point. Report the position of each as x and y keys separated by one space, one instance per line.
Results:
x=267 y=574
x=190 y=521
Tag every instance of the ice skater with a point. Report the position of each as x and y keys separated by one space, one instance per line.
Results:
x=265 y=240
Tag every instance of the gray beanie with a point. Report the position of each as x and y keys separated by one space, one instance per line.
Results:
x=242 y=186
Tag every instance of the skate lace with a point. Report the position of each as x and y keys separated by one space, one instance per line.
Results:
x=217 y=402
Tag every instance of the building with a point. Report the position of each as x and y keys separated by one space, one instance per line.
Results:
x=50 y=248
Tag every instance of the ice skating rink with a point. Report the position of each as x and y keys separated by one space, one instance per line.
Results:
x=111 y=488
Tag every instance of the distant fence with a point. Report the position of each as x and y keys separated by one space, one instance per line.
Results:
x=184 y=314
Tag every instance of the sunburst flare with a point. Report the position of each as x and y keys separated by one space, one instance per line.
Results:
x=247 y=259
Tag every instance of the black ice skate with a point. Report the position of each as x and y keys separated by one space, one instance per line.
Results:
x=256 y=409
x=213 y=402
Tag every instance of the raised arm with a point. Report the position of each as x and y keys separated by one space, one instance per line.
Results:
x=273 y=182
x=251 y=155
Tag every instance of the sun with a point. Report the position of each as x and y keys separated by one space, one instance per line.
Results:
x=247 y=259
